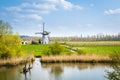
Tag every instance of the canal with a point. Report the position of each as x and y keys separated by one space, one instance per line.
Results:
x=61 y=71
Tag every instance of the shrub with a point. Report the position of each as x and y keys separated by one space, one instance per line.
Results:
x=55 y=49
x=79 y=51
x=115 y=74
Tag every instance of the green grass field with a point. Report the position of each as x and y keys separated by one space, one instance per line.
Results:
x=95 y=48
x=37 y=50
x=99 y=50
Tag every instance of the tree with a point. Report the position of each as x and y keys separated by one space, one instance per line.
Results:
x=10 y=44
x=5 y=29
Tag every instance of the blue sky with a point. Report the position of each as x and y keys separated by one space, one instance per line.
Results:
x=62 y=17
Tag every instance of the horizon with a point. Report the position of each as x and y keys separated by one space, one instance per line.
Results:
x=63 y=18
x=83 y=36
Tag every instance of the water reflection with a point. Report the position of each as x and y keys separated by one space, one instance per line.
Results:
x=56 y=71
x=82 y=71
x=7 y=73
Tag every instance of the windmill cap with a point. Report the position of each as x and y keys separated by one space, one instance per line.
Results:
x=46 y=33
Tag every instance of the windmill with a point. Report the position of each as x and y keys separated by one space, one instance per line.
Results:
x=45 y=36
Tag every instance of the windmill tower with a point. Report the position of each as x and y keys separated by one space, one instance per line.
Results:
x=45 y=36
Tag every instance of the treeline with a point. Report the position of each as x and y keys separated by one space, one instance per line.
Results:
x=99 y=37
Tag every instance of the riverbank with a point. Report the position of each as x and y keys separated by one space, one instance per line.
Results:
x=76 y=59
x=15 y=61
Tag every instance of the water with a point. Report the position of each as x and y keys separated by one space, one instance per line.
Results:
x=56 y=72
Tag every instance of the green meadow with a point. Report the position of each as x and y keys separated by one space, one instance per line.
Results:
x=37 y=50
x=91 y=49
x=99 y=50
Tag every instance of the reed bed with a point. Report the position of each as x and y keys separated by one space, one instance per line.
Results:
x=15 y=61
x=76 y=59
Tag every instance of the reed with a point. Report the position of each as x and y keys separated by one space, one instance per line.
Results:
x=15 y=61
x=76 y=59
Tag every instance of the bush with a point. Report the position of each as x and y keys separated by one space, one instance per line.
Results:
x=79 y=51
x=55 y=49
x=10 y=46
x=115 y=74
x=46 y=52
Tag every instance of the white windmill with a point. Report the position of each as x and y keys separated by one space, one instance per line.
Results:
x=45 y=36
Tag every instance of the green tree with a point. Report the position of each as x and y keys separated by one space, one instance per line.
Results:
x=10 y=44
x=5 y=29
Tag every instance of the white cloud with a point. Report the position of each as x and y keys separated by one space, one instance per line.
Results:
x=34 y=10
x=66 y=5
x=52 y=1
x=27 y=16
x=78 y=7
x=25 y=5
x=37 y=6
x=33 y=16
x=46 y=6
x=17 y=9
x=112 y=11
x=37 y=11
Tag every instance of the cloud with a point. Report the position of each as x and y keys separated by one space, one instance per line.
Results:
x=37 y=11
x=33 y=16
x=46 y=6
x=52 y=1
x=29 y=16
x=34 y=10
x=26 y=16
x=17 y=9
x=112 y=11
x=78 y=7
x=32 y=6
x=66 y=5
